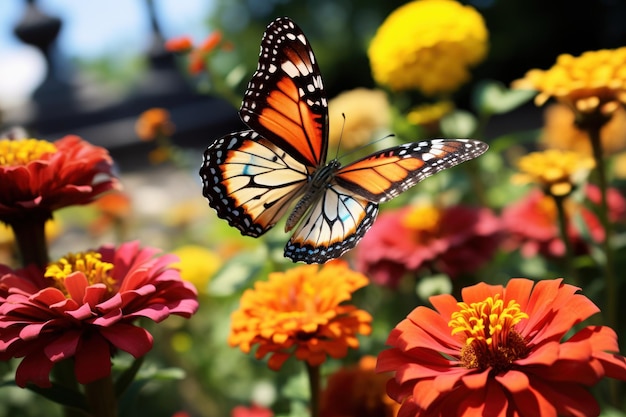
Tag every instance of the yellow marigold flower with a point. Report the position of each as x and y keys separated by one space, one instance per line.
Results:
x=153 y=123
x=300 y=312
x=366 y=113
x=560 y=131
x=594 y=81
x=429 y=113
x=555 y=171
x=428 y=45
x=197 y=265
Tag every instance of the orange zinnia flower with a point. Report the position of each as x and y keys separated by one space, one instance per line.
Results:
x=300 y=312
x=502 y=351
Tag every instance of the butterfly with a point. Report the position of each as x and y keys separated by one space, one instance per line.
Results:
x=254 y=177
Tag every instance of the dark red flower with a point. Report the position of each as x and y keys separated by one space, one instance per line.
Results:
x=83 y=307
x=452 y=240
x=39 y=177
x=501 y=352
x=357 y=391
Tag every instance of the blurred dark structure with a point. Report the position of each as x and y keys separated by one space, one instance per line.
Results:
x=106 y=119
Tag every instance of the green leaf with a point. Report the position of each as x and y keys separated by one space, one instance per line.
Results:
x=59 y=394
x=492 y=97
x=127 y=377
x=458 y=124
x=237 y=272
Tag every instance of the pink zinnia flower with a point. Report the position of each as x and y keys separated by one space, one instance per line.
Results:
x=38 y=177
x=452 y=240
x=252 y=411
x=83 y=307
x=501 y=352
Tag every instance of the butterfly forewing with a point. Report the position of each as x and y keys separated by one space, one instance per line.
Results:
x=285 y=100
x=333 y=225
x=384 y=175
x=250 y=182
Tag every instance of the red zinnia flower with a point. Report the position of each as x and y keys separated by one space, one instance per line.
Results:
x=38 y=177
x=357 y=391
x=452 y=240
x=501 y=352
x=83 y=307
x=531 y=223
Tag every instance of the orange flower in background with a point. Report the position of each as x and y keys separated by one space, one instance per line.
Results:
x=252 y=411
x=114 y=209
x=38 y=177
x=592 y=82
x=560 y=131
x=357 y=391
x=181 y=44
x=501 y=351
x=154 y=123
x=301 y=313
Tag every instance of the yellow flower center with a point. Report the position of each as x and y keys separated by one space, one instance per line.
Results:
x=89 y=263
x=21 y=152
x=489 y=331
x=424 y=221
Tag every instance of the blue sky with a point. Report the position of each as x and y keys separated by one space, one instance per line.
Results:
x=91 y=28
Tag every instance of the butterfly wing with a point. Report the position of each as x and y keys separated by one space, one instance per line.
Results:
x=383 y=175
x=285 y=100
x=333 y=225
x=348 y=206
x=250 y=182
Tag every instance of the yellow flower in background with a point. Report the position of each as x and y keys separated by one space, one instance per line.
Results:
x=366 y=113
x=596 y=80
x=429 y=113
x=428 y=45
x=197 y=265
x=560 y=131
x=557 y=172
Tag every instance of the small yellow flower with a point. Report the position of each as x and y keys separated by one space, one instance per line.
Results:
x=366 y=113
x=557 y=172
x=197 y=264
x=428 y=45
x=594 y=81
x=561 y=132
x=428 y=114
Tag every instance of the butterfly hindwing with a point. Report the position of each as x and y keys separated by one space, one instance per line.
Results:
x=334 y=224
x=285 y=100
x=250 y=182
x=385 y=174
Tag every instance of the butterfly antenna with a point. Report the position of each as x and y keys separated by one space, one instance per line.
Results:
x=340 y=135
x=391 y=135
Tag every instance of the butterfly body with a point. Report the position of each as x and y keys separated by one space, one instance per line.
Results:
x=253 y=178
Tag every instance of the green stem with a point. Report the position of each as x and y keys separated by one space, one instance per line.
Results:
x=559 y=201
x=314 y=382
x=64 y=375
x=30 y=235
x=609 y=273
x=101 y=397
